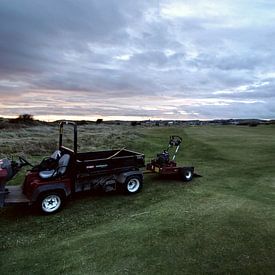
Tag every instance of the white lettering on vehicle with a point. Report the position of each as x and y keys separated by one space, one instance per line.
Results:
x=101 y=166
x=97 y=166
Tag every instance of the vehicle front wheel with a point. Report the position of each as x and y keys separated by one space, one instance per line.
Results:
x=186 y=174
x=51 y=202
x=132 y=185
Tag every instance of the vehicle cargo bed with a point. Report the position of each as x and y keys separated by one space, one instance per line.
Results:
x=111 y=160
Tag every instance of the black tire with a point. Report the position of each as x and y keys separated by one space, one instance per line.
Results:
x=132 y=185
x=51 y=202
x=186 y=174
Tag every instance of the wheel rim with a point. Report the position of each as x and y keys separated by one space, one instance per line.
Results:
x=188 y=175
x=51 y=203
x=133 y=185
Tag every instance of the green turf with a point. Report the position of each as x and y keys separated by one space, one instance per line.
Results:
x=223 y=222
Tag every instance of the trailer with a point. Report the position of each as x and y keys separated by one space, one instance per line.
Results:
x=66 y=172
x=165 y=163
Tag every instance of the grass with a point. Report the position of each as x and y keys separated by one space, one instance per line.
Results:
x=223 y=222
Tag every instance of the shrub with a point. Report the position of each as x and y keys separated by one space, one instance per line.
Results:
x=99 y=120
x=25 y=117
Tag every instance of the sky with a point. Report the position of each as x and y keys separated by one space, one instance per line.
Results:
x=145 y=59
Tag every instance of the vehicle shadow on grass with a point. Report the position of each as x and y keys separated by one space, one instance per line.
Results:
x=172 y=179
x=95 y=195
x=16 y=212
x=100 y=197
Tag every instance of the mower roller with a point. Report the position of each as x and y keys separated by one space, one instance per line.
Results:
x=165 y=165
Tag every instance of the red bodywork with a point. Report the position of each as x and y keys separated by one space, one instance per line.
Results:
x=33 y=182
x=169 y=168
x=3 y=174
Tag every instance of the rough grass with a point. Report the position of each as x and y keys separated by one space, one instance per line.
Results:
x=223 y=222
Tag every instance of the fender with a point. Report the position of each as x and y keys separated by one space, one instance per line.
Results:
x=122 y=177
x=50 y=187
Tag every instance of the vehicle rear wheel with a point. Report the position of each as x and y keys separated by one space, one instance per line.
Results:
x=50 y=203
x=187 y=174
x=132 y=184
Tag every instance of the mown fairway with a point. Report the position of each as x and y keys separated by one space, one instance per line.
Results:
x=223 y=222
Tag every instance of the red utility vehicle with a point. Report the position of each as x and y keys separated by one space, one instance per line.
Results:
x=66 y=172
x=166 y=166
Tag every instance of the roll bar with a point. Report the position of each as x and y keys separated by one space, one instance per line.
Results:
x=61 y=133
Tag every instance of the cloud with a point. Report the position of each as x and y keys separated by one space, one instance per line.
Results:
x=137 y=58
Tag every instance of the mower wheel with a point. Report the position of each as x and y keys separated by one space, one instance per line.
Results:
x=132 y=184
x=51 y=202
x=186 y=174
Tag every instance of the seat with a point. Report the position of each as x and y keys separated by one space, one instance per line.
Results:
x=48 y=163
x=59 y=171
x=56 y=155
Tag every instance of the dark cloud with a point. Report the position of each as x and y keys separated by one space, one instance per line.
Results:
x=262 y=110
x=137 y=58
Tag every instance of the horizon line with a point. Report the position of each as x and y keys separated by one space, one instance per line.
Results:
x=126 y=118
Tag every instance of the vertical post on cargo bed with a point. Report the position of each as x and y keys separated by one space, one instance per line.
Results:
x=75 y=138
x=61 y=133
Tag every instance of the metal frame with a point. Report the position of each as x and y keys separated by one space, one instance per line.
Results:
x=174 y=141
x=61 y=130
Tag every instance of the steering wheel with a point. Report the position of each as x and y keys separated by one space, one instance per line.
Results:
x=24 y=162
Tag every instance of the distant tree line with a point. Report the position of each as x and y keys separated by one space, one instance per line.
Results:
x=23 y=118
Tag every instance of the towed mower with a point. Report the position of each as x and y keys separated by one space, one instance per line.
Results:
x=164 y=164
